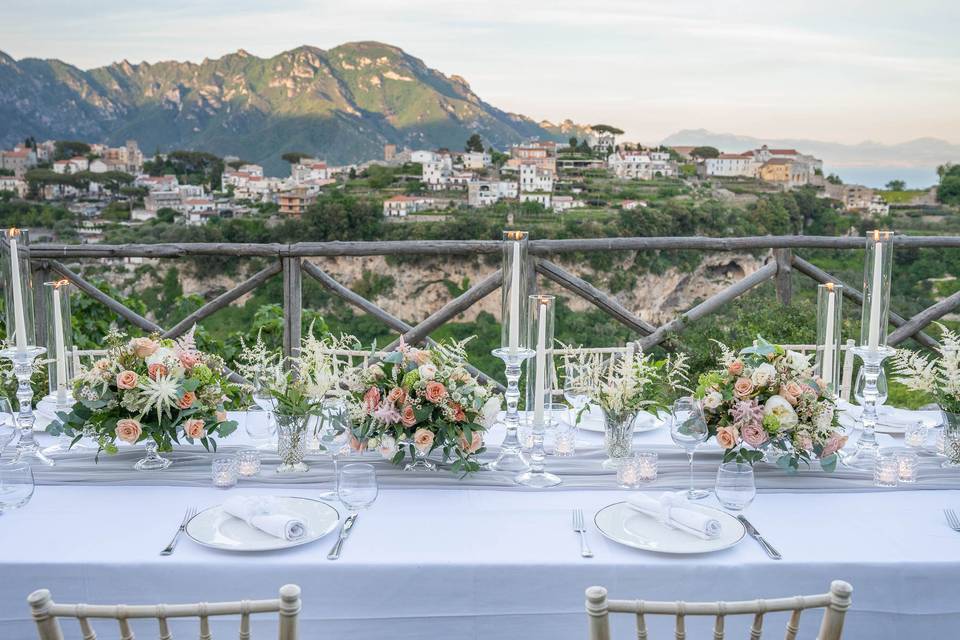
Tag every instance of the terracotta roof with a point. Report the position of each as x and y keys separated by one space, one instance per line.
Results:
x=784 y=152
x=779 y=161
x=735 y=156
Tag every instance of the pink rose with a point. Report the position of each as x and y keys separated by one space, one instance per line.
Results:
x=791 y=392
x=188 y=360
x=408 y=417
x=743 y=387
x=194 y=428
x=143 y=347
x=397 y=395
x=735 y=368
x=157 y=370
x=423 y=439
x=127 y=380
x=458 y=414
x=476 y=441
x=834 y=444
x=356 y=445
x=221 y=416
x=102 y=364
x=727 y=437
x=804 y=441
x=435 y=391
x=754 y=435
x=187 y=400
x=129 y=430
x=420 y=357
x=371 y=399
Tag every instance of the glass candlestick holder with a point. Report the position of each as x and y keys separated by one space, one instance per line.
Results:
x=511 y=456
x=27 y=447
x=865 y=455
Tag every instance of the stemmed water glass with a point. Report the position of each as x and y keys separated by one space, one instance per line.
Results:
x=688 y=429
x=334 y=434
x=576 y=385
x=357 y=486
x=8 y=426
x=16 y=485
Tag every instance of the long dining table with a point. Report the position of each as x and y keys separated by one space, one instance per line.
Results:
x=439 y=556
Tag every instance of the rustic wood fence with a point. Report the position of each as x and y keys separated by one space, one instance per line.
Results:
x=289 y=261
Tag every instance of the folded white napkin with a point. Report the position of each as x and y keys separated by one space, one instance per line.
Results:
x=887 y=416
x=266 y=514
x=673 y=510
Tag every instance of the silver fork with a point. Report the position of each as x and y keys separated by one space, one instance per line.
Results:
x=192 y=511
x=952 y=520
x=580 y=528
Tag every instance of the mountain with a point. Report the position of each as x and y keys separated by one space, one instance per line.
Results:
x=870 y=162
x=341 y=104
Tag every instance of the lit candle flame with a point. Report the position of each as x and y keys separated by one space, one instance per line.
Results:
x=61 y=283
x=829 y=286
x=13 y=232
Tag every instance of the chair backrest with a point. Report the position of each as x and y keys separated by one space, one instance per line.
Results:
x=835 y=605
x=350 y=358
x=77 y=354
x=592 y=355
x=846 y=365
x=46 y=614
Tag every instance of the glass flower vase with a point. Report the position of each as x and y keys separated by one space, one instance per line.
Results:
x=292 y=437
x=617 y=437
x=951 y=438
x=153 y=461
x=420 y=458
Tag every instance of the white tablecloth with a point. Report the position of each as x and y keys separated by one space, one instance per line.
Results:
x=484 y=562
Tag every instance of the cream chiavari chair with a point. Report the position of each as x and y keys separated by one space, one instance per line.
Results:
x=46 y=613
x=835 y=605
x=78 y=354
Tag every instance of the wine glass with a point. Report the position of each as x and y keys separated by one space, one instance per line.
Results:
x=736 y=486
x=333 y=426
x=688 y=429
x=576 y=385
x=357 y=486
x=8 y=425
x=16 y=485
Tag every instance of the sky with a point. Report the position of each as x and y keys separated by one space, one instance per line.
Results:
x=844 y=71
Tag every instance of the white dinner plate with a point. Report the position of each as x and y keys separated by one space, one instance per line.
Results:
x=622 y=523
x=215 y=528
x=644 y=421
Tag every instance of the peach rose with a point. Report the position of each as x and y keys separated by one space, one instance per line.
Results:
x=834 y=444
x=407 y=416
x=458 y=414
x=188 y=360
x=792 y=389
x=476 y=441
x=194 y=428
x=423 y=439
x=221 y=416
x=754 y=435
x=743 y=387
x=735 y=368
x=397 y=396
x=129 y=430
x=157 y=370
x=187 y=400
x=102 y=364
x=143 y=347
x=804 y=441
x=420 y=357
x=435 y=391
x=371 y=399
x=727 y=437
x=127 y=380
x=356 y=445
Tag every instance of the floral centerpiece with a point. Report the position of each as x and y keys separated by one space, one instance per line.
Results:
x=416 y=401
x=766 y=397
x=940 y=377
x=298 y=388
x=635 y=382
x=149 y=390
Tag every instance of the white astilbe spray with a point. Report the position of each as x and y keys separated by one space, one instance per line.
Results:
x=727 y=355
x=937 y=376
x=637 y=381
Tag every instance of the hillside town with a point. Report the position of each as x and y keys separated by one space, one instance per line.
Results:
x=537 y=175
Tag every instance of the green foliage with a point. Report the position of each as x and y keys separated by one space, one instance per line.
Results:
x=896 y=185
x=474 y=143
x=293 y=157
x=190 y=167
x=606 y=128
x=834 y=179
x=66 y=149
x=705 y=152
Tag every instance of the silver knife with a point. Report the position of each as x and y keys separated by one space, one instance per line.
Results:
x=344 y=534
x=752 y=530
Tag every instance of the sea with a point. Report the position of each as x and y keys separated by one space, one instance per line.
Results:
x=878 y=177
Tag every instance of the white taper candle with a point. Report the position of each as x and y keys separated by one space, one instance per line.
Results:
x=61 y=346
x=876 y=295
x=541 y=363
x=829 y=338
x=20 y=327
x=515 y=299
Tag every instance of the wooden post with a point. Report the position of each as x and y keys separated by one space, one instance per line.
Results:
x=292 y=305
x=784 y=258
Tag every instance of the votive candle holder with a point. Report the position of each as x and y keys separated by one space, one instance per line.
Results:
x=886 y=472
x=647 y=463
x=565 y=440
x=248 y=463
x=223 y=471
x=916 y=435
x=628 y=473
x=908 y=465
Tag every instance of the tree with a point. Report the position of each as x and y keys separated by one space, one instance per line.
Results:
x=573 y=142
x=705 y=152
x=6 y=172
x=949 y=190
x=606 y=128
x=474 y=143
x=66 y=149
x=498 y=159
x=896 y=185
x=293 y=157
x=166 y=214
x=834 y=179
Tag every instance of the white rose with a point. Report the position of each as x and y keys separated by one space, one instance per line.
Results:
x=825 y=419
x=763 y=375
x=491 y=410
x=387 y=447
x=712 y=400
x=798 y=362
x=163 y=355
x=375 y=370
x=427 y=371
x=779 y=407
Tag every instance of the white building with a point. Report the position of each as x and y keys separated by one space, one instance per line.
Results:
x=476 y=160
x=534 y=179
x=163 y=183
x=405 y=205
x=421 y=156
x=733 y=165
x=437 y=173
x=308 y=169
x=543 y=198
x=483 y=193
x=14 y=184
x=565 y=203
x=642 y=165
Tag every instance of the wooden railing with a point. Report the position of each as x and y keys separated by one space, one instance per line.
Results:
x=289 y=261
